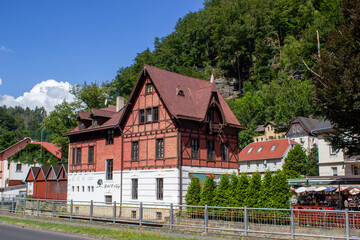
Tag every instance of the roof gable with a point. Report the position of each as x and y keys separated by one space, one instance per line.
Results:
x=268 y=151
x=8 y=152
x=41 y=176
x=31 y=176
x=194 y=102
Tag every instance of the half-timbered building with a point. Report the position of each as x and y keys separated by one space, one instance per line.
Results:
x=172 y=128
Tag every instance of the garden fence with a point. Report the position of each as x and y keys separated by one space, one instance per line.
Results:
x=238 y=221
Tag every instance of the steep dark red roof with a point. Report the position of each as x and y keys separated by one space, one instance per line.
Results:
x=265 y=153
x=109 y=112
x=195 y=101
x=56 y=151
x=84 y=115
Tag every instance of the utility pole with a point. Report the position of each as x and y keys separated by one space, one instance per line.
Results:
x=42 y=126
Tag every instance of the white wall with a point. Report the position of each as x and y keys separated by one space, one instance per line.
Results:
x=259 y=165
x=147 y=186
x=12 y=174
x=328 y=160
x=76 y=182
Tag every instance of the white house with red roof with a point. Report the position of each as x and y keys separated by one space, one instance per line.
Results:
x=13 y=174
x=263 y=156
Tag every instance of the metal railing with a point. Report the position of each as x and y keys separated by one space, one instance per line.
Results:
x=239 y=221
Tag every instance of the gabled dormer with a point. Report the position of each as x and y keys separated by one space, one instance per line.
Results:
x=215 y=118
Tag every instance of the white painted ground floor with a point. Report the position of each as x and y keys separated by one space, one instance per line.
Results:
x=158 y=186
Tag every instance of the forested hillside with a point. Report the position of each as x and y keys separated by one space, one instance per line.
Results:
x=264 y=45
x=18 y=123
x=268 y=47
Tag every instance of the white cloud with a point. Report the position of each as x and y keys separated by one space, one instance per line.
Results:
x=0 y=81
x=5 y=49
x=47 y=93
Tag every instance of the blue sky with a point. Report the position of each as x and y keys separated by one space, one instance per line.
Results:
x=73 y=41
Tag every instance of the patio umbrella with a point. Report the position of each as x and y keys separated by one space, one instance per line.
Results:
x=300 y=190
x=329 y=189
x=319 y=189
x=342 y=189
x=354 y=191
x=311 y=189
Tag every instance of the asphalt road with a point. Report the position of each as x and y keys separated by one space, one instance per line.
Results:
x=11 y=232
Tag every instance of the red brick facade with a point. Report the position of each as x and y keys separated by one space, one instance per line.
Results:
x=169 y=121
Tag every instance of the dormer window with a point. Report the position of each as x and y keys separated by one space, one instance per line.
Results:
x=95 y=123
x=81 y=125
x=273 y=147
x=210 y=115
x=148 y=88
x=180 y=92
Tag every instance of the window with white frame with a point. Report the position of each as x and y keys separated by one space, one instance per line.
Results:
x=335 y=171
x=250 y=149
x=109 y=169
x=332 y=151
x=356 y=170
x=259 y=149
x=273 y=147
x=159 y=188
x=134 y=188
x=108 y=199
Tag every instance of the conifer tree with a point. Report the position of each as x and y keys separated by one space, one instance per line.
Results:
x=232 y=200
x=241 y=189
x=265 y=193
x=280 y=190
x=221 y=197
x=253 y=191
x=313 y=162
x=295 y=162
x=207 y=193
x=192 y=196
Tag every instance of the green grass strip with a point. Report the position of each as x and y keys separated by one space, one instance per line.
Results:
x=101 y=232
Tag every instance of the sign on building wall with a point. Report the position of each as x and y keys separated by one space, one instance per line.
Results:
x=30 y=188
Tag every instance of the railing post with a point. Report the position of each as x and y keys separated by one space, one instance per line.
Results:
x=114 y=212
x=38 y=207
x=347 y=222
x=171 y=216
x=246 y=225
x=71 y=208
x=2 y=202
x=13 y=205
x=141 y=214
x=206 y=218
x=24 y=205
x=292 y=223
x=91 y=209
x=53 y=213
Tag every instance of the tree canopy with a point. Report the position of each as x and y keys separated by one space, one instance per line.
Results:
x=338 y=80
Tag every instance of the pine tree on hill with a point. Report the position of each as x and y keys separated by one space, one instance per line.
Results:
x=192 y=196
x=208 y=192
x=253 y=191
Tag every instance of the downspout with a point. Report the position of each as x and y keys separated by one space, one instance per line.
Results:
x=121 y=169
x=179 y=166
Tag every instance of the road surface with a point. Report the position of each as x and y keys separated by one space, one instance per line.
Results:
x=14 y=232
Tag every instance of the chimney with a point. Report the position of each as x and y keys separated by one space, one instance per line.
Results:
x=212 y=78
x=119 y=103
